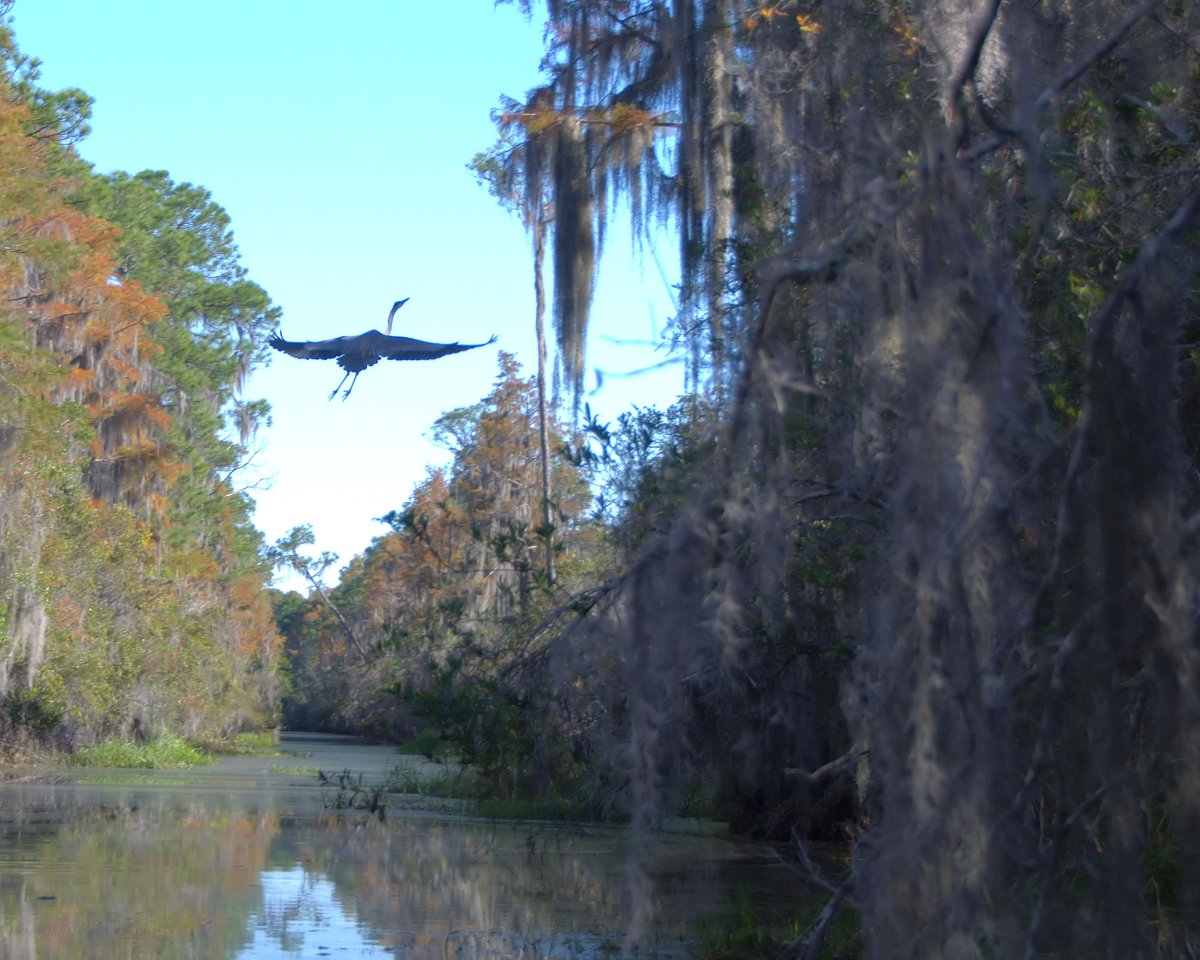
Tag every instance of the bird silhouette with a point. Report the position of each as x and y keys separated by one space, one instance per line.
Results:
x=355 y=354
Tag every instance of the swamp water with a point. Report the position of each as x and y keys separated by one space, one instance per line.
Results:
x=242 y=861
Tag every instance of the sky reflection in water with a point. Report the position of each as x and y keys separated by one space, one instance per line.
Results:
x=301 y=917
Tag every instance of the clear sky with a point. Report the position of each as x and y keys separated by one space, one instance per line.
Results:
x=337 y=137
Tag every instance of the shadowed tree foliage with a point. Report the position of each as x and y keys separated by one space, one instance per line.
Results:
x=933 y=586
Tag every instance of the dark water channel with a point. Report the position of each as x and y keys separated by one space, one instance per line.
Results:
x=242 y=860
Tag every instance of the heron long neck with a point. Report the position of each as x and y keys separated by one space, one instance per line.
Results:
x=395 y=306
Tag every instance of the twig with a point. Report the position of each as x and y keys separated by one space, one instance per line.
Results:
x=1061 y=82
x=591 y=596
x=827 y=771
x=300 y=564
x=1047 y=857
x=1099 y=52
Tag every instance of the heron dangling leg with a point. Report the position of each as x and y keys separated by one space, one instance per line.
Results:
x=352 y=383
x=339 y=386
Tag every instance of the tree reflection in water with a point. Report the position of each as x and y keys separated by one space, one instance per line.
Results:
x=235 y=862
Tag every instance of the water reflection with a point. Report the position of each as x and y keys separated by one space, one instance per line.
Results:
x=301 y=917
x=240 y=861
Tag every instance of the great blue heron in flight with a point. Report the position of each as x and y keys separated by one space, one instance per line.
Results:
x=355 y=354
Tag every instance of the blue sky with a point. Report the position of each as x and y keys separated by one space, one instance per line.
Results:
x=337 y=138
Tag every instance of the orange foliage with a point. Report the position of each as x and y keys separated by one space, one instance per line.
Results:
x=619 y=118
x=91 y=333
x=79 y=378
x=58 y=262
x=534 y=119
x=765 y=15
x=906 y=32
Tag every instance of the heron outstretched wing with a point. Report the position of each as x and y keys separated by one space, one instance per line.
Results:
x=406 y=348
x=370 y=346
x=357 y=353
x=310 y=349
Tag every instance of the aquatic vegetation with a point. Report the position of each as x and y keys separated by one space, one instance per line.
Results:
x=247 y=744
x=428 y=744
x=166 y=753
x=407 y=778
x=481 y=799
x=292 y=770
x=740 y=932
x=348 y=792
x=472 y=794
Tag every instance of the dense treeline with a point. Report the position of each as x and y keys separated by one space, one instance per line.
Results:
x=132 y=597
x=432 y=628
x=917 y=564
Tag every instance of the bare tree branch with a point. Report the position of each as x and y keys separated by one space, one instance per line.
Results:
x=1097 y=53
